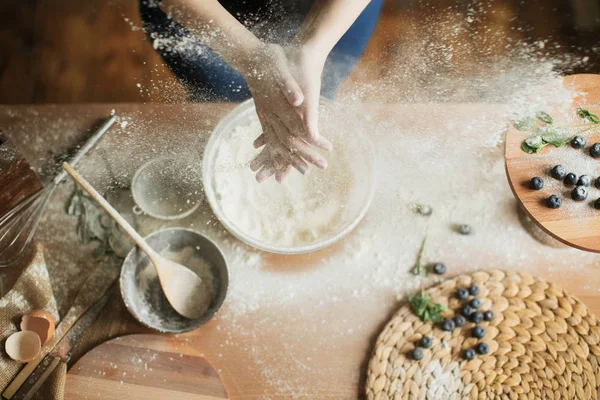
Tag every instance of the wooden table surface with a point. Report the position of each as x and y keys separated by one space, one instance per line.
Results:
x=306 y=327
x=581 y=229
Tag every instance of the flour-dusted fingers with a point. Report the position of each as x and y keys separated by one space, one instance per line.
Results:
x=283 y=173
x=298 y=146
x=266 y=172
x=299 y=164
x=295 y=124
x=279 y=162
x=307 y=152
x=259 y=141
x=261 y=159
x=280 y=155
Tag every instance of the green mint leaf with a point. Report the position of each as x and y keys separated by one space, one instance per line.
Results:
x=528 y=149
x=525 y=124
x=544 y=117
x=585 y=114
x=555 y=136
x=424 y=308
x=426 y=315
x=534 y=141
x=533 y=144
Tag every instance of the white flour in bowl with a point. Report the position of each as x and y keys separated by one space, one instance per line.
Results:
x=301 y=211
x=150 y=288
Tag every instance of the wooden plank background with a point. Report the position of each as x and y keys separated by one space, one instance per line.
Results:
x=54 y=51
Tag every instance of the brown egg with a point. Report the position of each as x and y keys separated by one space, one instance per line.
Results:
x=23 y=346
x=40 y=322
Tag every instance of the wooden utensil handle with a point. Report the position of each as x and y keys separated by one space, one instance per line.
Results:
x=137 y=238
x=37 y=378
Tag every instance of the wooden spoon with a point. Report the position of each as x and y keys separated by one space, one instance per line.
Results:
x=184 y=290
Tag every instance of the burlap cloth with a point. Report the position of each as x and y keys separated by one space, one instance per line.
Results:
x=32 y=290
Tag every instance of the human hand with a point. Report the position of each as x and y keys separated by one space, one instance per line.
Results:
x=289 y=121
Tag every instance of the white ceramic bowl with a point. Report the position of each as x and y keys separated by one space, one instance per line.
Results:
x=358 y=149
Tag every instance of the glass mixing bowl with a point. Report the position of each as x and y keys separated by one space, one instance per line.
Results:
x=346 y=132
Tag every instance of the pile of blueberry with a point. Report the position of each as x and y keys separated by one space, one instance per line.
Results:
x=471 y=312
x=581 y=183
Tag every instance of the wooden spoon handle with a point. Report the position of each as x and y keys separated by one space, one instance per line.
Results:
x=137 y=238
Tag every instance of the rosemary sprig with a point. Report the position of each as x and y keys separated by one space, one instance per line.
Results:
x=419 y=269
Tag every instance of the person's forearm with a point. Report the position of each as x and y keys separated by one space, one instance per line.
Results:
x=326 y=23
x=216 y=28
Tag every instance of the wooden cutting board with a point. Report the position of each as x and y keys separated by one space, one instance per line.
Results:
x=577 y=230
x=144 y=367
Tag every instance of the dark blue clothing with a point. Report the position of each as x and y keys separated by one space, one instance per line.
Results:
x=208 y=77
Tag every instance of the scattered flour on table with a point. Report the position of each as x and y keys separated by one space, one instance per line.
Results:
x=285 y=320
x=301 y=211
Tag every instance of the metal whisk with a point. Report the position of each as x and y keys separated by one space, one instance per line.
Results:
x=18 y=226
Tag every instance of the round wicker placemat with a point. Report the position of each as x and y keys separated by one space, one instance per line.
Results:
x=544 y=344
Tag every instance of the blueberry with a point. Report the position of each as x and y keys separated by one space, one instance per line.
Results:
x=584 y=180
x=597 y=182
x=448 y=325
x=570 y=179
x=460 y=321
x=478 y=332
x=467 y=310
x=597 y=204
x=536 y=183
x=488 y=315
x=469 y=354
x=475 y=303
x=417 y=354
x=580 y=193
x=465 y=229
x=558 y=172
x=476 y=317
x=425 y=342
x=554 y=201
x=439 y=268
x=473 y=290
x=578 y=142
x=462 y=293
x=595 y=150
x=483 y=348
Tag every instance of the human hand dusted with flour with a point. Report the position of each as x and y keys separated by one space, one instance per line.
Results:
x=281 y=102
x=285 y=83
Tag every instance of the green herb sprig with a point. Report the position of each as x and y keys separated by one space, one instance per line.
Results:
x=552 y=134
x=425 y=308
x=585 y=114
x=545 y=117
x=419 y=269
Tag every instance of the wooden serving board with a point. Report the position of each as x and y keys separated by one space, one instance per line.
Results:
x=580 y=230
x=144 y=367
